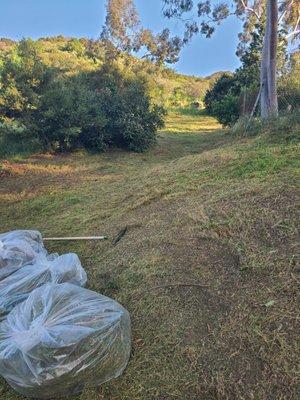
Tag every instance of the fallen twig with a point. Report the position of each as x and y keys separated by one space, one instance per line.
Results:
x=120 y=235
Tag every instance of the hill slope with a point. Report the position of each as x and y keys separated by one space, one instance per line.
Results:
x=201 y=209
x=71 y=56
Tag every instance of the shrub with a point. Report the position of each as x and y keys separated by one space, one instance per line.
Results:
x=67 y=113
x=226 y=110
x=96 y=111
x=13 y=129
x=220 y=89
x=139 y=130
x=75 y=46
x=23 y=78
x=132 y=121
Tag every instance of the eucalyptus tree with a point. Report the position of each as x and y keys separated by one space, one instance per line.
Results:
x=124 y=32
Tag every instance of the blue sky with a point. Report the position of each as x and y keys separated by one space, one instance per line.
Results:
x=84 y=18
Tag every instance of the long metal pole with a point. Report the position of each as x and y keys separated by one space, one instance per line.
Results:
x=77 y=238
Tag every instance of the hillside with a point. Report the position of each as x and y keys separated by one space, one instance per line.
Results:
x=207 y=267
x=70 y=56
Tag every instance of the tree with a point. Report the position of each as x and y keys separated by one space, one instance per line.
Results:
x=121 y=24
x=268 y=98
x=123 y=32
x=263 y=12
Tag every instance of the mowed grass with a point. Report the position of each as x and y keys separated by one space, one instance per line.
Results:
x=200 y=208
x=190 y=121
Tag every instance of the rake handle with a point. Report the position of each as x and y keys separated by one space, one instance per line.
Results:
x=76 y=238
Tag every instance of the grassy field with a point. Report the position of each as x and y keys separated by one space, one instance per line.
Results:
x=201 y=208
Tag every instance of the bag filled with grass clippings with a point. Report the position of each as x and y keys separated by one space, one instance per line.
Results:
x=18 y=248
x=61 y=338
x=17 y=287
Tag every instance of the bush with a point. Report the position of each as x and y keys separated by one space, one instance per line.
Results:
x=226 y=110
x=220 y=89
x=139 y=131
x=75 y=46
x=23 y=79
x=96 y=111
x=68 y=110
x=13 y=129
x=132 y=121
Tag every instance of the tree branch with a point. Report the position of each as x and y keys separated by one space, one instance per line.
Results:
x=296 y=30
x=294 y=33
x=285 y=11
x=215 y=21
x=251 y=10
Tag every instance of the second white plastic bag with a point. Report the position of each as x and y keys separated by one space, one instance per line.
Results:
x=17 y=287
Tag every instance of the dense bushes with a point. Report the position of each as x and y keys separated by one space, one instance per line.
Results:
x=95 y=109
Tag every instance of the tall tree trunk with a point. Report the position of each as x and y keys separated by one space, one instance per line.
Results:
x=269 y=104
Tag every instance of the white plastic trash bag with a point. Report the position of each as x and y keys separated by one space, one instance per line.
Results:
x=18 y=248
x=61 y=338
x=16 y=287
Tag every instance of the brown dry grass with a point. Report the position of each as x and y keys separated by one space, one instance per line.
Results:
x=200 y=208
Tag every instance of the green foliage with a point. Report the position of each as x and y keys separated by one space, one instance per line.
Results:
x=226 y=110
x=75 y=46
x=220 y=89
x=13 y=129
x=67 y=112
x=96 y=112
x=23 y=77
x=58 y=54
x=121 y=24
x=132 y=121
x=66 y=93
x=96 y=108
x=122 y=32
x=203 y=17
x=234 y=95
